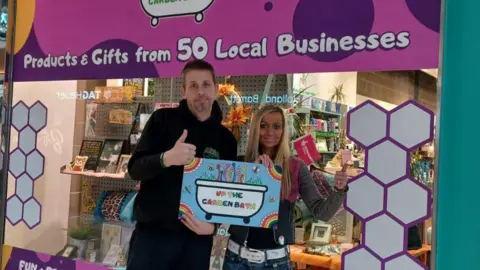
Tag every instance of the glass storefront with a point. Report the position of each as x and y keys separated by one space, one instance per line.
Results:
x=70 y=127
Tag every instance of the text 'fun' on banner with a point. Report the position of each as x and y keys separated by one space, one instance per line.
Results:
x=62 y=40
x=229 y=192
x=14 y=258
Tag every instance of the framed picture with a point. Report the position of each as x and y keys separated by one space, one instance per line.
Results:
x=114 y=254
x=123 y=163
x=299 y=235
x=79 y=163
x=91 y=119
x=110 y=154
x=321 y=233
x=93 y=150
x=111 y=236
x=68 y=251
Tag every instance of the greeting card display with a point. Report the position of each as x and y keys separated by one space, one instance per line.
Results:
x=229 y=192
x=306 y=150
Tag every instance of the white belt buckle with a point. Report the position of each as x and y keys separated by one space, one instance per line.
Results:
x=256 y=251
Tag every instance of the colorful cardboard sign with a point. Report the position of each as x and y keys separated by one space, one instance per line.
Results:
x=16 y=258
x=228 y=192
x=55 y=40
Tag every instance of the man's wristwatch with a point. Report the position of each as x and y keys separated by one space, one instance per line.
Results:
x=215 y=230
x=162 y=164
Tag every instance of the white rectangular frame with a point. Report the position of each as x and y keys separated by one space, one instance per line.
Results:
x=328 y=233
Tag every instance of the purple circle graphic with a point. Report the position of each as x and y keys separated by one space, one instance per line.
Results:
x=336 y=19
x=427 y=12
x=268 y=6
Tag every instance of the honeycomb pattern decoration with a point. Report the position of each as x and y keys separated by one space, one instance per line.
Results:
x=26 y=164
x=384 y=197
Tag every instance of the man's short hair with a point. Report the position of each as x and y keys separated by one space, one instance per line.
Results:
x=198 y=65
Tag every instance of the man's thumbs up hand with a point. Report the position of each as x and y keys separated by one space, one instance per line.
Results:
x=183 y=137
x=182 y=153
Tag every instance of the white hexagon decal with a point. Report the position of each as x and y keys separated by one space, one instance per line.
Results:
x=14 y=210
x=360 y=259
x=367 y=124
x=418 y=122
x=365 y=197
x=19 y=116
x=404 y=262
x=35 y=164
x=38 y=116
x=387 y=161
x=32 y=212
x=17 y=163
x=406 y=202
x=24 y=187
x=27 y=140
x=384 y=236
x=412 y=210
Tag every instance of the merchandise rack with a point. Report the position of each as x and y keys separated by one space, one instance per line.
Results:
x=93 y=185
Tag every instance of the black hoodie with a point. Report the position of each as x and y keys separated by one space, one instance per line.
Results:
x=157 y=202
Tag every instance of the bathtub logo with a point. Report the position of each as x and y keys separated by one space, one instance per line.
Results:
x=238 y=193
x=157 y=9
x=229 y=199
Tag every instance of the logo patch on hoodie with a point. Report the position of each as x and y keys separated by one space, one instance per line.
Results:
x=211 y=153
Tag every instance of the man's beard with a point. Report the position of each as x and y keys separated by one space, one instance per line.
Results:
x=200 y=107
x=203 y=106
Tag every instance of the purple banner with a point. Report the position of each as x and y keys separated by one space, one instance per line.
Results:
x=21 y=259
x=62 y=40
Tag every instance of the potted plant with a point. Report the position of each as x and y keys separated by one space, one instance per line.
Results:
x=79 y=237
x=338 y=97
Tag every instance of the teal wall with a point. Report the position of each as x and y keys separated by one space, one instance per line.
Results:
x=458 y=235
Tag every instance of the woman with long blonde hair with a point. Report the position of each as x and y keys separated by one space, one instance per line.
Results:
x=264 y=249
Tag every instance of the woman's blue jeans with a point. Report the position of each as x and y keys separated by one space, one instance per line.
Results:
x=234 y=262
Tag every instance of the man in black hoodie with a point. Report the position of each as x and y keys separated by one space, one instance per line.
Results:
x=172 y=138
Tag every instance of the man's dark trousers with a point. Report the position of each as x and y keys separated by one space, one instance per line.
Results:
x=165 y=250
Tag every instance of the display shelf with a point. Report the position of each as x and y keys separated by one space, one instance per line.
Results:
x=119 y=223
x=309 y=110
x=112 y=125
x=326 y=134
x=116 y=103
x=120 y=176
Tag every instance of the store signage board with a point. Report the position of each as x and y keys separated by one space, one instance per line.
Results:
x=165 y=105
x=237 y=193
x=345 y=35
x=16 y=258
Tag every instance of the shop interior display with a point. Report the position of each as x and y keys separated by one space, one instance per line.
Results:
x=322 y=119
x=114 y=125
x=344 y=228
